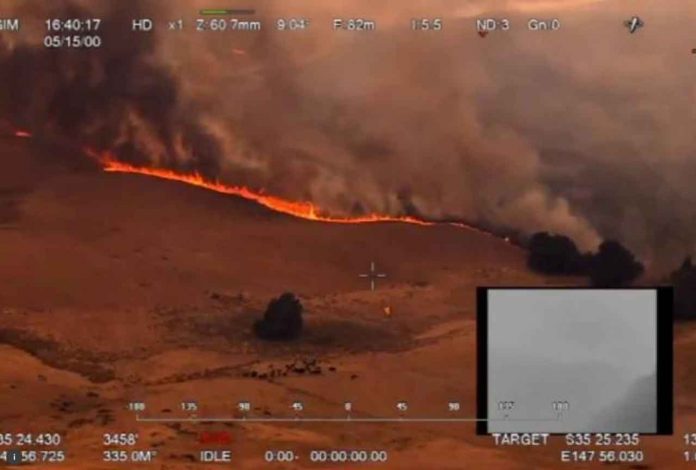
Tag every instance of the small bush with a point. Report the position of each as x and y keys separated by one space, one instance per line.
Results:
x=555 y=254
x=613 y=266
x=282 y=319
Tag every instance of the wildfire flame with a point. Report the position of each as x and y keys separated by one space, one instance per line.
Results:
x=301 y=209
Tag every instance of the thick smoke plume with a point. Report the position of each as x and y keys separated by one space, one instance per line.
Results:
x=586 y=131
x=119 y=97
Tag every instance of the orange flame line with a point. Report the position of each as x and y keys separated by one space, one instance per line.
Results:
x=304 y=210
x=301 y=209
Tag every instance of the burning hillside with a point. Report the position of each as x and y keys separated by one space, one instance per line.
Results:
x=360 y=125
x=303 y=210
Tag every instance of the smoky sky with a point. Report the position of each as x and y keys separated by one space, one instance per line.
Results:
x=586 y=131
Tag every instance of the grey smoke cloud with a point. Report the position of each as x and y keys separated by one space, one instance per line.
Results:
x=585 y=131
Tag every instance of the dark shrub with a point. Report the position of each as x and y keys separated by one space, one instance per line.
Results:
x=282 y=319
x=555 y=254
x=684 y=282
x=613 y=265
